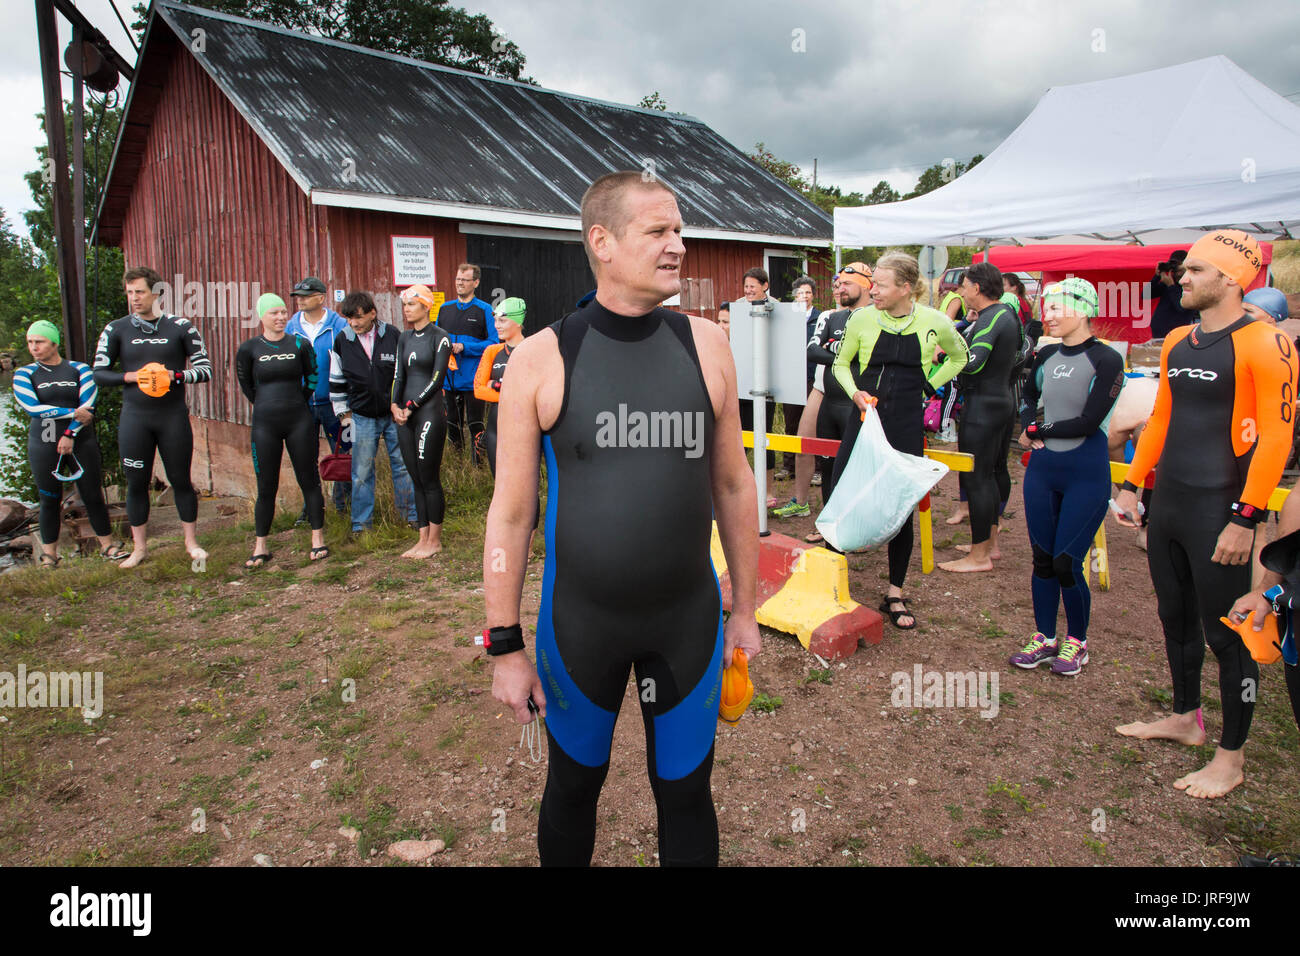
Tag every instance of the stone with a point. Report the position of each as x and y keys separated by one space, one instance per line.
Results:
x=415 y=851
x=261 y=859
x=351 y=834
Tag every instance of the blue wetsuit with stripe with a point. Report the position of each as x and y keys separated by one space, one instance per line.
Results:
x=629 y=584
x=1067 y=483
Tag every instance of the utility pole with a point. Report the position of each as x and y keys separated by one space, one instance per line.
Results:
x=814 y=176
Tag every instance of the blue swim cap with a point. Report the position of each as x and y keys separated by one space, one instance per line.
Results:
x=1272 y=301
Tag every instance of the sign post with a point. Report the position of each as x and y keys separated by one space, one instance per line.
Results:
x=932 y=260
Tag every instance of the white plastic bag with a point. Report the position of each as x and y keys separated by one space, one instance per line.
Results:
x=877 y=491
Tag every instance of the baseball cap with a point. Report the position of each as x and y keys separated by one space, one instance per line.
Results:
x=309 y=286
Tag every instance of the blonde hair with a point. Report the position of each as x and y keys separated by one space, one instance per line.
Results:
x=905 y=268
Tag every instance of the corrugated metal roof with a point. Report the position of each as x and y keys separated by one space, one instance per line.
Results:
x=346 y=119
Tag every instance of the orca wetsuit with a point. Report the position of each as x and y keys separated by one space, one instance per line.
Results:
x=1221 y=431
x=837 y=409
x=279 y=379
x=629 y=582
x=150 y=424
x=994 y=338
x=417 y=386
x=894 y=365
x=50 y=394
x=1067 y=483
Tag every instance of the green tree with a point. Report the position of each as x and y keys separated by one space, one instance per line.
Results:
x=883 y=192
x=940 y=174
x=430 y=30
x=654 y=102
x=788 y=173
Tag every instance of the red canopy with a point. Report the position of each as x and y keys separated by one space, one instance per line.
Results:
x=1121 y=274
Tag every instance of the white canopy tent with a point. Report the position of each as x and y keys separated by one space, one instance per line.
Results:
x=1153 y=157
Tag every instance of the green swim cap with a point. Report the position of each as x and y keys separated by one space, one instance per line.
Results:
x=1011 y=299
x=1078 y=295
x=45 y=329
x=268 y=301
x=513 y=309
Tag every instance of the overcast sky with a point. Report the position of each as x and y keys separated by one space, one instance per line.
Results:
x=874 y=91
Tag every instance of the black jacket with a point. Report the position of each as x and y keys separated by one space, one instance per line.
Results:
x=362 y=383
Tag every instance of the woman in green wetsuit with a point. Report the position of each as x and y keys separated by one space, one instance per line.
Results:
x=893 y=342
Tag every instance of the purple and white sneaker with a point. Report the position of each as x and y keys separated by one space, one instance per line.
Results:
x=1074 y=654
x=1039 y=650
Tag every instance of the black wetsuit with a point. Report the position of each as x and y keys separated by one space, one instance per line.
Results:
x=151 y=424
x=629 y=582
x=417 y=386
x=50 y=394
x=471 y=324
x=499 y=357
x=995 y=337
x=279 y=379
x=837 y=411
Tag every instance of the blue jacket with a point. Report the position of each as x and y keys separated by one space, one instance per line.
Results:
x=326 y=329
x=463 y=322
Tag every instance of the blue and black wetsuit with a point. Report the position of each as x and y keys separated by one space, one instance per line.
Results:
x=1067 y=483
x=422 y=359
x=629 y=583
x=150 y=424
x=50 y=394
x=279 y=379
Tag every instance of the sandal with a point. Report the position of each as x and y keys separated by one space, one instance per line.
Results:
x=887 y=606
x=49 y=561
x=257 y=560
x=321 y=553
x=814 y=537
x=113 y=552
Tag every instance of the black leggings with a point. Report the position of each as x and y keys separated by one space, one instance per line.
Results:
x=985 y=433
x=421 y=440
x=1293 y=688
x=44 y=456
x=275 y=429
x=904 y=425
x=1192 y=592
x=463 y=413
x=166 y=430
x=834 y=420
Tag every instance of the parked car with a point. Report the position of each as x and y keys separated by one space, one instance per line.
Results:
x=952 y=278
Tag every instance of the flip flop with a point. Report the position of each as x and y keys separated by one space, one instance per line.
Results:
x=48 y=561
x=321 y=553
x=257 y=560
x=113 y=553
x=814 y=537
x=886 y=607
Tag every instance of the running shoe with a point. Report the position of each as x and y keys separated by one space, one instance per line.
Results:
x=1039 y=650
x=817 y=479
x=793 y=510
x=1074 y=654
x=782 y=475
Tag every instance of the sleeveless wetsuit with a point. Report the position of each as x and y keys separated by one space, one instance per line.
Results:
x=279 y=379
x=995 y=339
x=151 y=424
x=417 y=384
x=894 y=366
x=1067 y=483
x=50 y=394
x=837 y=409
x=1221 y=431
x=629 y=583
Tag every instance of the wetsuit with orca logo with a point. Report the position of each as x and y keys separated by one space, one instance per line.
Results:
x=50 y=394
x=279 y=379
x=1221 y=431
x=629 y=584
x=422 y=359
x=148 y=424
x=1067 y=482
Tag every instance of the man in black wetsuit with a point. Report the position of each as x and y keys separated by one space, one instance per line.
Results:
x=154 y=414
x=635 y=409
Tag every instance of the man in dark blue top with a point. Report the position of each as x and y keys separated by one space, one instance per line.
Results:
x=468 y=320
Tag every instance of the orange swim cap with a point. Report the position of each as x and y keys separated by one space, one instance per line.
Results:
x=858 y=272
x=1232 y=252
x=418 y=293
x=737 y=688
x=1264 y=646
x=154 y=380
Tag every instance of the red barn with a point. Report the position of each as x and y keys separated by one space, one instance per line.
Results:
x=250 y=156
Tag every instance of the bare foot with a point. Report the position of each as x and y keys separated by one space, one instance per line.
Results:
x=967 y=565
x=423 y=551
x=1176 y=728
x=1216 y=779
x=134 y=558
x=412 y=551
x=957 y=518
x=965 y=549
x=1142 y=538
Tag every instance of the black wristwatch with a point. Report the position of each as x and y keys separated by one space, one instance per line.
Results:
x=503 y=640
